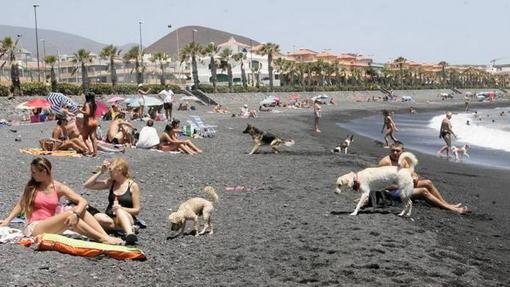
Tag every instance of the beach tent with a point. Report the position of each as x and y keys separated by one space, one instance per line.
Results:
x=116 y=99
x=270 y=101
x=321 y=98
x=59 y=101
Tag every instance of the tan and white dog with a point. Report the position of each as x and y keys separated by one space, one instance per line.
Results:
x=379 y=178
x=191 y=209
x=459 y=152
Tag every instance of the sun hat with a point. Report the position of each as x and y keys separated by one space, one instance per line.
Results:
x=449 y=114
x=139 y=85
x=245 y=105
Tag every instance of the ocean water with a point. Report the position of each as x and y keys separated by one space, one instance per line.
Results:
x=488 y=133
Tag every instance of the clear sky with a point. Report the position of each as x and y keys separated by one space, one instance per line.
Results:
x=457 y=31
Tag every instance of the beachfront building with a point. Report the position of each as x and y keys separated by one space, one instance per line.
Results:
x=254 y=64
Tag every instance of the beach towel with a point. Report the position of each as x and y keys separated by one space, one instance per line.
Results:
x=61 y=153
x=62 y=244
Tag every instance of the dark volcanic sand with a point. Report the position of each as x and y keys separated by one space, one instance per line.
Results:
x=294 y=231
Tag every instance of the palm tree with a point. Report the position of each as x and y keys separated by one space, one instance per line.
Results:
x=400 y=61
x=191 y=50
x=241 y=57
x=162 y=58
x=51 y=60
x=8 y=50
x=443 y=65
x=256 y=66
x=134 y=54
x=82 y=57
x=111 y=53
x=211 y=50
x=225 y=58
x=269 y=49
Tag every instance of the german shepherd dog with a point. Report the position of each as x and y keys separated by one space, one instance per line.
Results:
x=263 y=138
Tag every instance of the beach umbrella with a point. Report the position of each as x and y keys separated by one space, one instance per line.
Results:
x=116 y=99
x=101 y=108
x=294 y=98
x=149 y=102
x=189 y=98
x=34 y=104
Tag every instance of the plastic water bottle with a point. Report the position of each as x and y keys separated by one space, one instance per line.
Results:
x=115 y=202
x=99 y=133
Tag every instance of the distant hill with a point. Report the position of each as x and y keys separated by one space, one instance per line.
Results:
x=203 y=36
x=67 y=43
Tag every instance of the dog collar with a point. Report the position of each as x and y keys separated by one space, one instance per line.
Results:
x=356 y=184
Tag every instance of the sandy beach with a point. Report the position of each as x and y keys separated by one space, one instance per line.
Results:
x=293 y=229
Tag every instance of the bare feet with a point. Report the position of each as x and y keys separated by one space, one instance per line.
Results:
x=112 y=241
x=461 y=210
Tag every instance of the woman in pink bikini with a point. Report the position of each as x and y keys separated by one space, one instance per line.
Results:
x=39 y=203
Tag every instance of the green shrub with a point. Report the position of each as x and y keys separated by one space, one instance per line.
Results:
x=34 y=89
x=69 y=89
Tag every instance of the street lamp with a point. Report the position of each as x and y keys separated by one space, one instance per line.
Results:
x=37 y=42
x=140 y=29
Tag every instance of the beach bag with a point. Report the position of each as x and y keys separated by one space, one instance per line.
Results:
x=188 y=130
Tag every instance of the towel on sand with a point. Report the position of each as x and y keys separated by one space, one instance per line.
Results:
x=38 y=151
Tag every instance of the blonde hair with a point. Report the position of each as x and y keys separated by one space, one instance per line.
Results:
x=28 y=197
x=121 y=165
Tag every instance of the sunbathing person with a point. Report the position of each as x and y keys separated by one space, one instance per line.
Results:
x=39 y=203
x=123 y=199
x=148 y=137
x=170 y=142
x=423 y=188
x=119 y=131
x=63 y=142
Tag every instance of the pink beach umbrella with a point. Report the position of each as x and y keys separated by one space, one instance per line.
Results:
x=115 y=99
x=101 y=108
x=34 y=104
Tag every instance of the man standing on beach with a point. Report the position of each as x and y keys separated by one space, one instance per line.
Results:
x=141 y=99
x=446 y=133
x=167 y=95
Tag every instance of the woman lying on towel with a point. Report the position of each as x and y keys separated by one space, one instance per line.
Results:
x=40 y=200
x=123 y=199
x=168 y=140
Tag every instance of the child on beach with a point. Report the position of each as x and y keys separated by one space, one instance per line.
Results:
x=39 y=203
x=389 y=128
x=123 y=199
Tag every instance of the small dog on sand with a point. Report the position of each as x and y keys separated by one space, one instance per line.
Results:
x=264 y=138
x=379 y=178
x=344 y=146
x=191 y=209
x=459 y=152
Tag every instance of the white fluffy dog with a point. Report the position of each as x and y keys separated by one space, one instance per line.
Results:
x=379 y=178
x=460 y=151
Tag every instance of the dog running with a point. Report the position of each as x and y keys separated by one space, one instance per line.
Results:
x=191 y=209
x=264 y=138
x=379 y=178
x=344 y=146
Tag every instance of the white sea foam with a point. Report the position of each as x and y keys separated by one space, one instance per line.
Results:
x=477 y=133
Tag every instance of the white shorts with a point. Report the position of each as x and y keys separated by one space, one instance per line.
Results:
x=141 y=101
x=29 y=229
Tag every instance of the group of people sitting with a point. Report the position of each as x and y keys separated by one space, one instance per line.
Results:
x=167 y=141
x=75 y=130
x=42 y=197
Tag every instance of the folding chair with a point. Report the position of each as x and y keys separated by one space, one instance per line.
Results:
x=204 y=130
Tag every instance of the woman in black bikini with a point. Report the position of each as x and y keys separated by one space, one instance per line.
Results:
x=123 y=199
